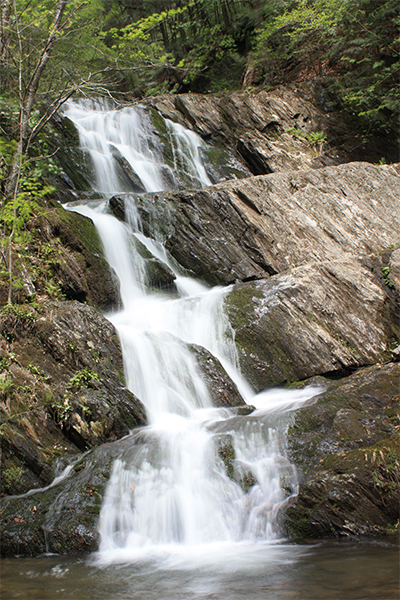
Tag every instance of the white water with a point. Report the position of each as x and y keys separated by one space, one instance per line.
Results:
x=171 y=493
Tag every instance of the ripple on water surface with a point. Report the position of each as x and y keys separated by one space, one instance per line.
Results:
x=328 y=570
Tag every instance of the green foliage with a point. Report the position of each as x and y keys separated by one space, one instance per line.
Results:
x=181 y=43
x=38 y=372
x=355 y=44
x=316 y=139
x=83 y=378
x=15 y=214
x=21 y=312
x=12 y=476
x=386 y=279
x=6 y=385
x=4 y=364
x=61 y=408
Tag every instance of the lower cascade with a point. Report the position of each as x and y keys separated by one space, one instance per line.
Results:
x=198 y=475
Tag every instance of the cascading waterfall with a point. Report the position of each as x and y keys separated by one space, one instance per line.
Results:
x=172 y=487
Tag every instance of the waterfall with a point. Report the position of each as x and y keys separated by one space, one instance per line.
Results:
x=173 y=487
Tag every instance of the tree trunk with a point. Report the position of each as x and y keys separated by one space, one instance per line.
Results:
x=27 y=96
x=5 y=16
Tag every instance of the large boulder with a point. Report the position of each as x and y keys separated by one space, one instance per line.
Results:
x=62 y=258
x=319 y=318
x=273 y=130
x=255 y=129
x=264 y=225
x=62 y=390
x=222 y=390
x=346 y=446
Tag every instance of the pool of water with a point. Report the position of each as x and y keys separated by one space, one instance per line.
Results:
x=325 y=570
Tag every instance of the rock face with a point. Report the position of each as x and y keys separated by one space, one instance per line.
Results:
x=63 y=375
x=288 y=128
x=256 y=129
x=63 y=393
x=240 y=230
x=323 y=317
x=347 y=447
x=222 y=390
x=63 y=259
x=63 y=518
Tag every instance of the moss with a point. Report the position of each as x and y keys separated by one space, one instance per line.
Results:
x=74 y=162
x=240 y=305
x=226 y=452
x=297 y=523
x=79 y=225
x=142 y=250
x=12 y=477
x=159 y=123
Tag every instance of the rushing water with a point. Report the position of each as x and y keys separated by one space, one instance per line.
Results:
x=173 y=523
x=173 y=491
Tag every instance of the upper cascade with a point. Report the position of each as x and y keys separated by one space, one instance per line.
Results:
x=126 y=152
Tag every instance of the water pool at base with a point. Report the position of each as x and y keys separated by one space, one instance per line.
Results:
x=365 y=569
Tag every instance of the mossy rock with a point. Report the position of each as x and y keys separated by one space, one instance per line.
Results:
x=226 y=451
x=159 y=276
x=66 y=393
x=346 y=448
x=62 y=519
x=75 y=163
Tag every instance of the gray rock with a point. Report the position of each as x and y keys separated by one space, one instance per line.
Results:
x=66 y=391
x=222 y=389
x=159 y=275
x=319 y=318
x=127 y=175
x=252 y=127
x=394 y=270
x=346 y=447
x=259 y=226
x=64 y=518
x=117 y=207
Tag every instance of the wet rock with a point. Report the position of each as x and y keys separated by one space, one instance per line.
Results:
x=346 y=447
x=250 y=127
x=82 y=270
x=222 y=389
x=269 y=119
x=117 y=207
x=159 y=276
x=64 y=393
x=78 y=171
x=239 y=230
x=226 y=452
x=247 y=409
x=320 y=318
x=64 y=518
x=221 y=164
x=129 y=179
